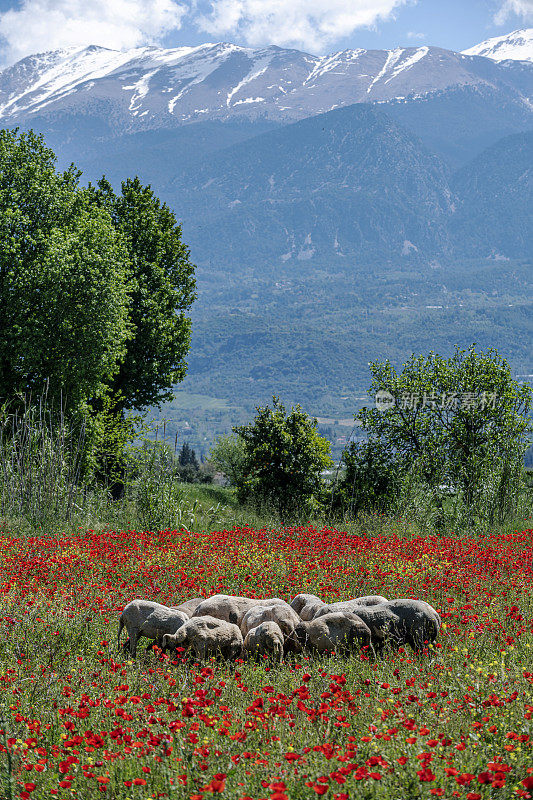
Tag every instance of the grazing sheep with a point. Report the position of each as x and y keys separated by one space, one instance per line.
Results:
x=336 y=631
x=381 y=622
x=207 y=636
x=149 y=619
x=306 y=605
x=231 y=609
x=350 y=605
x=401 y=622
x=189 y=606
x=282 y=615
x=418 y=622
x=266 y=639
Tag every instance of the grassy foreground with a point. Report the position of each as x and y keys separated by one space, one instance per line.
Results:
x=78 y=720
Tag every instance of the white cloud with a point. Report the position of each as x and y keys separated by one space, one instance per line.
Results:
x=41 y=25
x=414 y=35
x=310 y=24
x=522 y=8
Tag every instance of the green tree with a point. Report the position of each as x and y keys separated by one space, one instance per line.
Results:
x=187 y=457
x=228 y=456
x=371 y=480
x=162 y=288
x=63 y=295
x=456 y=422
x=94 y=290
x=284 y=458
x=160 y=279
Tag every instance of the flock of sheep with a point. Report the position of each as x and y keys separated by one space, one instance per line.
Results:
x=233 y=627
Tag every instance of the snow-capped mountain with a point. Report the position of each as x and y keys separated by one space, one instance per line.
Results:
x=152 y=87
x=517 y=46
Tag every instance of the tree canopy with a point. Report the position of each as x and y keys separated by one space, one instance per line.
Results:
x=283 y=460
x=160 y=278
x=94 y=287
x=63 y=289
x=454 y=424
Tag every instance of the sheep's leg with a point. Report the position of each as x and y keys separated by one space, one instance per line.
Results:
x=120 y=626
x=415 y=636
x=200 y=648
x=378 y=646
x=134 y=638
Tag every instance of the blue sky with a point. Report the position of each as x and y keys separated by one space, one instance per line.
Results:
x=28 y=26
x=453 y=24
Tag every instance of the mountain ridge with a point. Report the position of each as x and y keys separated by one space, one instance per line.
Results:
x=155 y=87
x=517 y=46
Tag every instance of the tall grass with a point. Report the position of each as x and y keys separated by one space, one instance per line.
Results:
x=44 y=488
x=41 y=459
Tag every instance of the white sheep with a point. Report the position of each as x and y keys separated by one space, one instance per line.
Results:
x=306 y=605
x=231 y=609
x=266 y=639
x=282 y=615
x=207 y=636
x=189 y=606
x=350 y=605
x=334 y=631
x=149 y=619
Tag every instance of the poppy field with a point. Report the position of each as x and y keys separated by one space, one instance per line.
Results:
x=79 y=719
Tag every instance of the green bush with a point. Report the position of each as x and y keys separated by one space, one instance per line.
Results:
x=371 y=480
x=283 y=460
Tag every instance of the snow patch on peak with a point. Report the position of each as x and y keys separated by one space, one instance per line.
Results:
x=333 y=61
x=61 y=71
x=393 y=56
x=410 y=61
x=515 y=46
x=140 y=90
x=259 y=69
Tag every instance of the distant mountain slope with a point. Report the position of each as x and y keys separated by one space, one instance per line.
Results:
x=517 y=45
x=156 y=156
x=151 y=87
x=345 y=183
x=267 y=157
x=459 y=123
x=496 y=192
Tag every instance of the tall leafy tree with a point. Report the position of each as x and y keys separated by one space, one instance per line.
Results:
x=94 y=292
x=63 y=296
x=460 y=422
x=162 y=288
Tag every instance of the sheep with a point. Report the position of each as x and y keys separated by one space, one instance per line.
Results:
x=207 y=636
x=381 y=622
x=335 y=631
x=231 y=609
x=306 y=605
x=266 y=639
x=189 y=606
x=401 y=622
x=282 y=615
x=418 y=622
x=149 y=619
x=350 y=605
